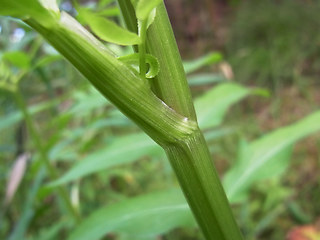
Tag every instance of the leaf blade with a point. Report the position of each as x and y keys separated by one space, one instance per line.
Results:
x=124 y=150
x=213 y=105
x=42 y=10
x=108 y=30
x=147 y=212
x=264 y=153
x=194 y=65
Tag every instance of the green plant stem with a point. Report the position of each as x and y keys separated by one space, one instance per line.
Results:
x=142 y=49
x=170 y=84
x=128 y=14
x=202 y=188
x=171 y=122
x=116 y=81
x=43 y=153
x=189 y=157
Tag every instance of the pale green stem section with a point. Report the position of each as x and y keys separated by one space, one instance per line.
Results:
x=173 y=127
x=189 y=157
x=202 y=188
x=35 y=136
x=171 y=83
x=116 y=81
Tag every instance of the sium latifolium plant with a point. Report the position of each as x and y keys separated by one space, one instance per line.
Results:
x=162 y=106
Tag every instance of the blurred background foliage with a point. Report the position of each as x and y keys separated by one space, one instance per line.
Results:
x=253 y=67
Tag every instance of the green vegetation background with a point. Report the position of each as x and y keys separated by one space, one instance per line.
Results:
x=271 y=44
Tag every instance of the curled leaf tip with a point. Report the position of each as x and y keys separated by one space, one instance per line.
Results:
x=133 y=60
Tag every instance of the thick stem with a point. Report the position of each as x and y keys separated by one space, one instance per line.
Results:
x=35 y=136
x=170 y=84
x=200 y=183
x=189 y=156
x=173 y=127
x=116 y=81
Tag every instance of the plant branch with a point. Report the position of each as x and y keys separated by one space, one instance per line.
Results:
x=116 y=81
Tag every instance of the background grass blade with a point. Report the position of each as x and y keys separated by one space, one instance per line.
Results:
x=194 y=65
x=16 y=116
x=123 y=150
x=267 y=156
x=213 y=105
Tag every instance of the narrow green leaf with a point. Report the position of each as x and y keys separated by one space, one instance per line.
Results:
x=267 y=156
x=194 y=65
x=139 y=217
x=85 y=102
x=63 y=149
x=124 y=150
x=16 y=116
x=109 y=12
x=144 y=8
x=46 y=60
x=133 y=59
x=212 y=106
x=205 y=78
x=42 y=10
x=18 y=59
x=108 y=30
